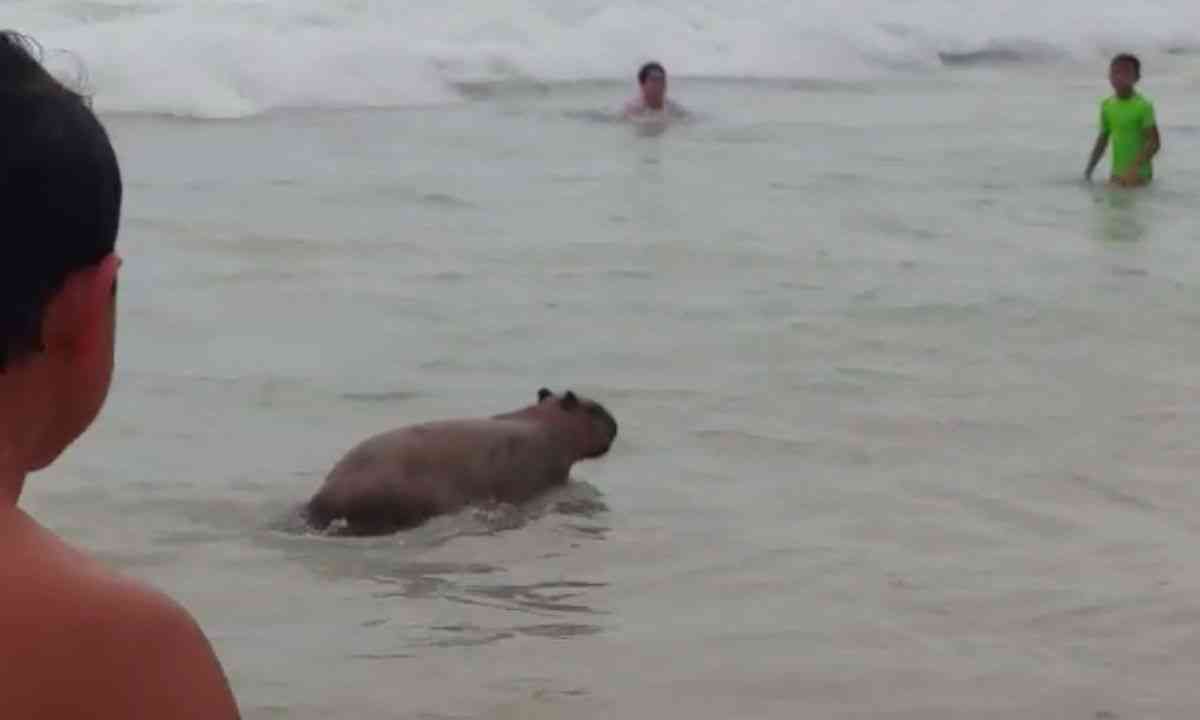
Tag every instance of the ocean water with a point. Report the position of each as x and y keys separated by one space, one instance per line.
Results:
x=908 y=411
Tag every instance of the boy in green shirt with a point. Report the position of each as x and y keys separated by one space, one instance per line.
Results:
x=1128 y=119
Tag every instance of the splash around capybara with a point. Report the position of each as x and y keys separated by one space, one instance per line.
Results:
x=401 y=478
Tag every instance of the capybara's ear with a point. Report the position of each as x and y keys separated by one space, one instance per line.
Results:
x=543 y=394
x=569 y=401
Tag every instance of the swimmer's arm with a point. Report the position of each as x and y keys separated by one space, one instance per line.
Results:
x=154 y=663
x=1097 y=153
x=678 y=110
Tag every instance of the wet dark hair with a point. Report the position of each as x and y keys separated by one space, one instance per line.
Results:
x=60 y=192
x=1131 y=60
x=648 y=68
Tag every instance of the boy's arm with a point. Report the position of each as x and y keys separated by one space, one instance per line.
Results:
x=1101 y=142
x=1149 y=149
x=1097 y=153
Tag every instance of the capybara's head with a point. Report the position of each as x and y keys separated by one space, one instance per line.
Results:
x=587 y=420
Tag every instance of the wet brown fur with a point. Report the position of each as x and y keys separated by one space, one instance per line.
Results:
x=401 y=478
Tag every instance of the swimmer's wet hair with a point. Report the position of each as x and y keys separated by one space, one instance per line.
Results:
x=1130 y=59
x=60 y=192
x=648 y=68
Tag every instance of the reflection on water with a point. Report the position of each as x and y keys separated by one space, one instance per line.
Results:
x=392 y=575
x=456 y=636
x=543 y=597
x=1121 y=214
x=650 y=128
x=490 y=609
x=551 y=600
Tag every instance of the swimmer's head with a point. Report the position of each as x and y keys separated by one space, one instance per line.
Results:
x=1124 y=72
x=652 y=77
x=60 y=197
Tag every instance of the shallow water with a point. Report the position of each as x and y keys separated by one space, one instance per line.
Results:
x=906 y=409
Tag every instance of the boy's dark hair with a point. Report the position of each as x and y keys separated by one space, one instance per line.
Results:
x=1131 y=60
x=60 y=193
x=648 y=68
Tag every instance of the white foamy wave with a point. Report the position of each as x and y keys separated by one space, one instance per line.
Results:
x=227 y=58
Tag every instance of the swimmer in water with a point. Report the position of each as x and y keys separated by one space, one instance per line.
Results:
x=1127 y=118
x=652 y=99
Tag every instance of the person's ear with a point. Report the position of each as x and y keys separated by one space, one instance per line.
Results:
x=79 y=316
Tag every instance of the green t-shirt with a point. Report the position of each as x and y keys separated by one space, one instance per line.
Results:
x=1126 y=121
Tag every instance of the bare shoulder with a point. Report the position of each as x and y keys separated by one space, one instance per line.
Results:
x=85 y=642
x=162 y=661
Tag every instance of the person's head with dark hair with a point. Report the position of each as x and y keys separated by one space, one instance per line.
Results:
x=60 y=200
x=651 y=67
x=652 y=77
x=1123 y=72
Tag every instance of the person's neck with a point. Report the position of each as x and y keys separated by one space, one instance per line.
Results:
x=1127 y=94
x=12 y=465
x=12 y=482
x=19 y=426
